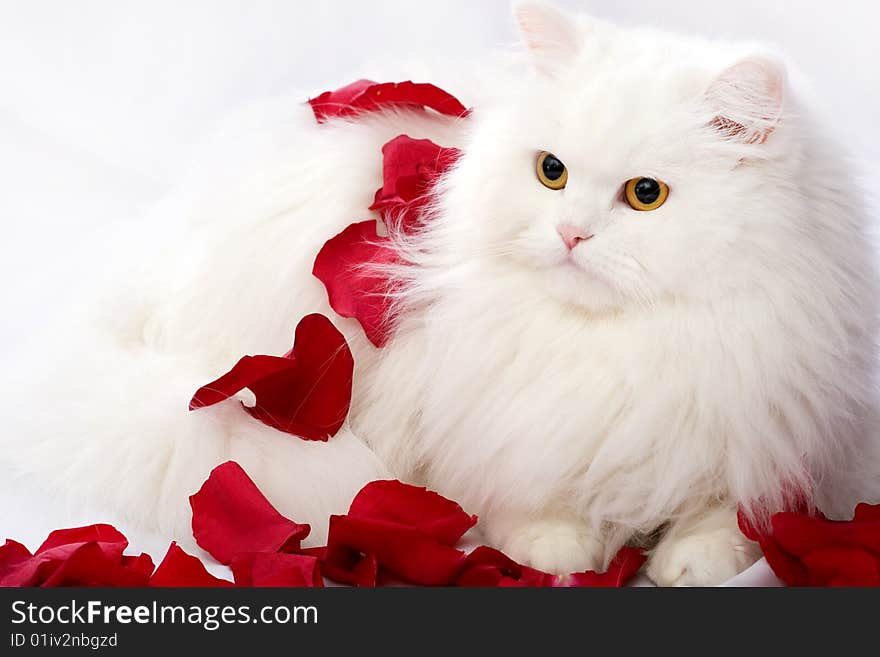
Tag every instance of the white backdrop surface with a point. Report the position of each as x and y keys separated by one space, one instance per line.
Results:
x=100 y=101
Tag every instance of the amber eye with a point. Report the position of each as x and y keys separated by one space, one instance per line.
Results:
x=645 y=193
x=551 y=171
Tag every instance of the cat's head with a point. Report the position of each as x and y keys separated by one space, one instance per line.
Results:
x=620 y=166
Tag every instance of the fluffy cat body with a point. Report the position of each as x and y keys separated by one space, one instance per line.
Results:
x=716 y=352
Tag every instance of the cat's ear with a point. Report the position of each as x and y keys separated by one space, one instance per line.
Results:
x=747 y=99
x=550 y=35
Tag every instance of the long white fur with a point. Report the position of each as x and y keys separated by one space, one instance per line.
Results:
x=719 y=351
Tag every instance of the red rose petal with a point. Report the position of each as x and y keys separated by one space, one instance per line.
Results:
x=402 y=530
x=60 y=546
x=34 y=571
x=402 y=551
x=530 y=577
x=787 y=568
x=307 y=392
x=486 y=566
x=842 y=566
x=231 y=516
x=369 y=96
x=142 y=563
x=801 y=534
x=623 y=566
x=410 y=167
x=851 y=581
x=245 y=372
x=90 y=565
x=181 y=569
x=347 y=265
x=867 y=513
x=346 y=566
x=798 y=534
x=312 y=399
x=361 y=572
x=264 y=569
x=13 y=559
x=810 y=550
x=61 y=541
x=409 y=94
x=412 y=506
x=339 y=102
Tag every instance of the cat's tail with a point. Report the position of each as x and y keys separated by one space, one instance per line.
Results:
x=104 y=423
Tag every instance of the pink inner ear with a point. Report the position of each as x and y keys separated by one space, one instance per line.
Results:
x=733 y=130
x=748 y=98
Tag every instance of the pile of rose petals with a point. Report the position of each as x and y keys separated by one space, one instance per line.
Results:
x=392 y=533
x=93 y=556
x=810 y=550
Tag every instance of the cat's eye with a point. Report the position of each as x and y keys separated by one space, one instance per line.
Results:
x=551 y=171
x=645 y=194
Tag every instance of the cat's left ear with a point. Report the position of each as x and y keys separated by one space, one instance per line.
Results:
x=550 y=34
x=747 y=98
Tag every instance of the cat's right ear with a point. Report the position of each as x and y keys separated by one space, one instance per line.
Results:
x=747 y=99
x=550 y=35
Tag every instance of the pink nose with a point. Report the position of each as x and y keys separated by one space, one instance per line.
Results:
x=572 y=235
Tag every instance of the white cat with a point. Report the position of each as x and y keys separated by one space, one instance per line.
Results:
x=580 y=364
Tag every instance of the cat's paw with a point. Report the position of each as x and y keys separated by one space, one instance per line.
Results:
x=554 y=546
x=701 y=559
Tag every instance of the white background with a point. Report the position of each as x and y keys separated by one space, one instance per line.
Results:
x=100 y=99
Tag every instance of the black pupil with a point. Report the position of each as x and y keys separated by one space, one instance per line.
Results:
x=647 y=190
x=552 y=167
